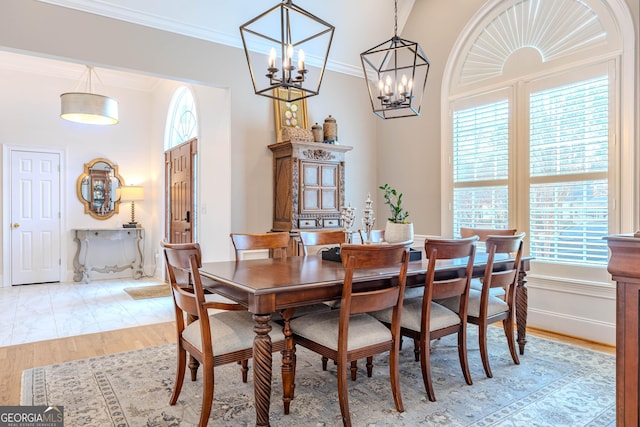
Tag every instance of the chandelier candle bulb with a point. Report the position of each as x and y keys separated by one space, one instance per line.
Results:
x=272 y=58
x=289 y=55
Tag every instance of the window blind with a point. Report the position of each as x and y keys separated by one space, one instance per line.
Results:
x=569 y=192
x=481 y=166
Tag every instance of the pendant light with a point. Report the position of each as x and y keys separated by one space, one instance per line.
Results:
x=89 y=107
x=396 y=75
x=279 y=46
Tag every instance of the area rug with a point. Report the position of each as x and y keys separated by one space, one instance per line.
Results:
x=150 y=291
x=555 y=385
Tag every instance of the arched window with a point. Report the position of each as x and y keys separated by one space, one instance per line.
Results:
x=182 y=120
x=531 y=111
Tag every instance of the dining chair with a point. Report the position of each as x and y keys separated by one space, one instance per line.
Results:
x=326 y=239
x=424 y=320
x=323 y=238
x=349 y=333
x=484 y=308
x=483 y=234
x=226 y=336
x=277 y=243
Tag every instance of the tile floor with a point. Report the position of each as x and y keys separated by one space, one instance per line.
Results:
x=45 y=311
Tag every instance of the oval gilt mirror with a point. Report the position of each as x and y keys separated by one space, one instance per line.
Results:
x=97 y=188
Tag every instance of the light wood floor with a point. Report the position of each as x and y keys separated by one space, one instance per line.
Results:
x=18 y=358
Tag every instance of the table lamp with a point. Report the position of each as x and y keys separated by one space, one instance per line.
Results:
x=131 y=193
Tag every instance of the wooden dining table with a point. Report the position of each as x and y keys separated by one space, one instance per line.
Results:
x=267 y=286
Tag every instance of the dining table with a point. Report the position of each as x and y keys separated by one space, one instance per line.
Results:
x=267 y=286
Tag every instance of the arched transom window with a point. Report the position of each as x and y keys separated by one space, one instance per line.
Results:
x=182 y=120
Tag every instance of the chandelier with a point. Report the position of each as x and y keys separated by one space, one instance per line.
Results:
x=396 y=75
x=289 y=35
x=88 y=107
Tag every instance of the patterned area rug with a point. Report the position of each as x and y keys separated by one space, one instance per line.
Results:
x=554 y=385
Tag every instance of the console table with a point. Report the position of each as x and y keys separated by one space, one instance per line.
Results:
x=624 y=266
x=82 y=267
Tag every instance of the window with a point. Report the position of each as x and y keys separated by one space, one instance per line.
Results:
x=569 y=185
x=182 y=121
x=534 y=118
x=481 y=166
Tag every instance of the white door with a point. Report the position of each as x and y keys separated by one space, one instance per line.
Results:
x=35 y=217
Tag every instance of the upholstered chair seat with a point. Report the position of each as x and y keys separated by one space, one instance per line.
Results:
x=232 y=331
x=495 y=304
x=441 y=317
x=323 y=328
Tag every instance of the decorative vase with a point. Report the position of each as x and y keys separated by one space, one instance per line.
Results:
x=318 y=135
x=395 y=233
x=330 y=130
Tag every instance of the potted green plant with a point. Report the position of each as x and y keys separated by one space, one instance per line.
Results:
x=397 y=229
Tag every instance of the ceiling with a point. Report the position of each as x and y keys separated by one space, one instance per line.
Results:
x=360 y=24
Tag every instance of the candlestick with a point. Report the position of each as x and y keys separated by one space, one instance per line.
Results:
x=368 y=220
x=348 y=215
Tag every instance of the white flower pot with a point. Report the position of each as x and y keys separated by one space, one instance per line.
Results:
x=395 y=233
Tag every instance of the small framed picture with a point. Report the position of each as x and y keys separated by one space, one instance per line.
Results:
x=290 y=113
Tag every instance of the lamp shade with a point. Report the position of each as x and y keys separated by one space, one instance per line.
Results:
x=131 y=193
x=88 y=108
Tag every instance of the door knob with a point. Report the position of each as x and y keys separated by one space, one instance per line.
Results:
x=16 y=225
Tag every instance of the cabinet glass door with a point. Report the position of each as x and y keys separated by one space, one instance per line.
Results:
x=319 y=187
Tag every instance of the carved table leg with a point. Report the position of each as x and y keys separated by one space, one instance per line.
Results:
x=138 y=267
x=262 y=359
x=288 y=362
x=522 y=304
x=86 y=268
x=78 y=268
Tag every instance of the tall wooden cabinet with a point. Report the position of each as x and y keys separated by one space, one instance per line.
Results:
x=308 y=185
x=624 y=266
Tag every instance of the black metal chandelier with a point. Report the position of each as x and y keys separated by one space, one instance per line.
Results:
x=396 y=75
x=290 y=35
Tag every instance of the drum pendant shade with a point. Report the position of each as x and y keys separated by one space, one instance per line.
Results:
x=89 y=108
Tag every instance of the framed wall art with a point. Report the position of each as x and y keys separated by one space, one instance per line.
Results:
x=291 y=114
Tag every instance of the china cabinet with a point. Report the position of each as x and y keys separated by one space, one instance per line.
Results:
x=309 y=186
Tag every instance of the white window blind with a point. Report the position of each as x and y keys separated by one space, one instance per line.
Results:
x=569 y=196
x=481 y=166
